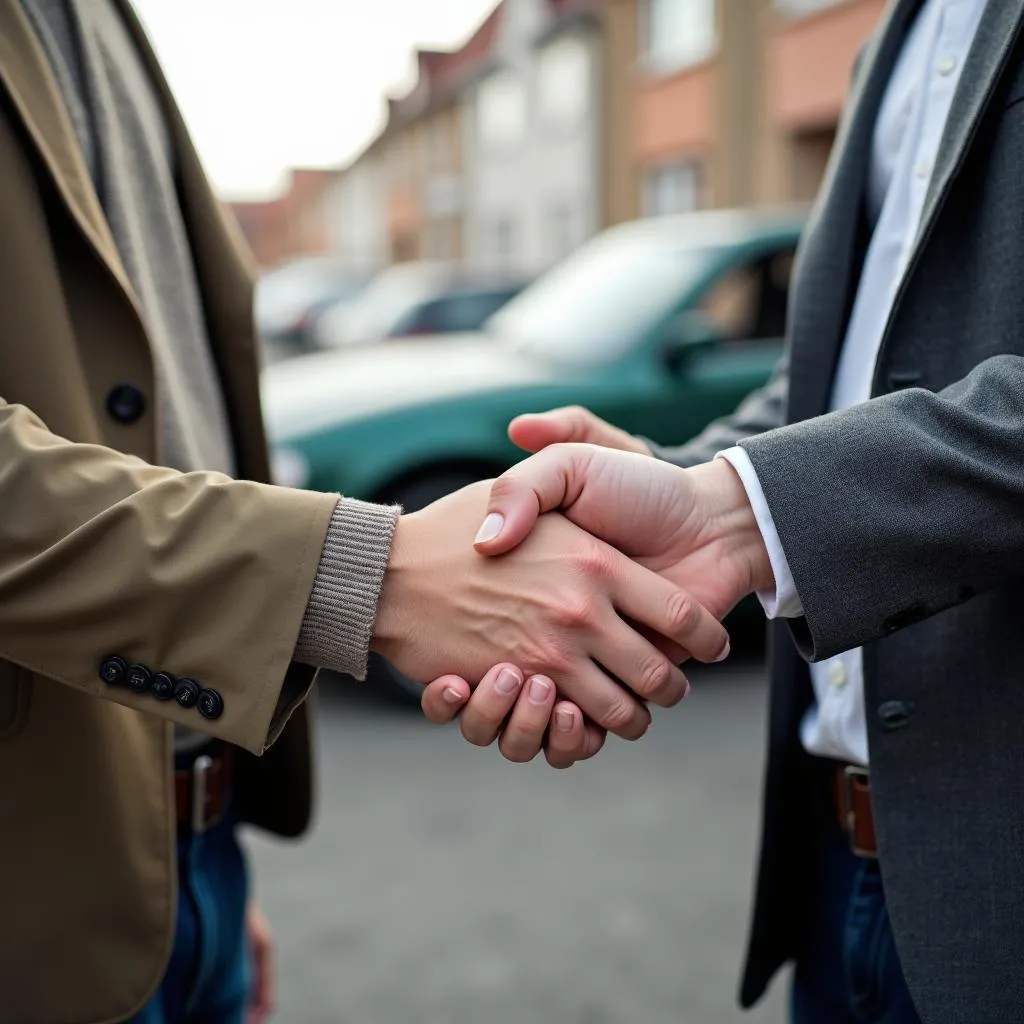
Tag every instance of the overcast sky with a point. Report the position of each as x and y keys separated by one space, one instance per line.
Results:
x=265 y=84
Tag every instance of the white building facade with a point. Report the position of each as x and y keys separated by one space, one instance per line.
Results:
x=355 y=209
x=531 y=136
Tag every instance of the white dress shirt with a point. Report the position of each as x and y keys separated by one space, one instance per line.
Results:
x=906 y=139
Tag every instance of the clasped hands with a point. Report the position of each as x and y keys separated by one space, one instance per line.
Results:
x=594 y=574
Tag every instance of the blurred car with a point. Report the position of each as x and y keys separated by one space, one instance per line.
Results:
x=418 y=298
x=385 y=300
x=659 y=326
x=462 y=307
x=291 y=297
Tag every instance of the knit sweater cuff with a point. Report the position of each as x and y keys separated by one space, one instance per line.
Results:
x=342 y=608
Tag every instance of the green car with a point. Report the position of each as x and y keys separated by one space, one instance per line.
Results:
x=658 y=326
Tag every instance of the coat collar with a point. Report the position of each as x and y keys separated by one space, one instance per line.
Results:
x=223 y=267
x=26 y=77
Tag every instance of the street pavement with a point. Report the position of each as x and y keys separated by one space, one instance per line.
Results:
x=443 y=885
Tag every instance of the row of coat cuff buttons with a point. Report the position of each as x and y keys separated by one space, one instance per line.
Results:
x=163 y=686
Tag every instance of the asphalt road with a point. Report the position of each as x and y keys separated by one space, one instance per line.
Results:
x=446 y=886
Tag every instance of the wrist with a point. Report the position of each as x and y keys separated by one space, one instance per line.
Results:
x=732 y=525
x=391 y=624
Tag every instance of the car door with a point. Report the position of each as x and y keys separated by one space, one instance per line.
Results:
x=723 y=346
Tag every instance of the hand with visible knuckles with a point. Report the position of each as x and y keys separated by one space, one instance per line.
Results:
x=115 y=671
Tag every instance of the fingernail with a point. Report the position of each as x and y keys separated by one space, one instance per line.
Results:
x=686 y=690
x=563 y=721
x=491 y=528
x=508 y=682
x=539 y=690
x=725 y=652
x=451 y=695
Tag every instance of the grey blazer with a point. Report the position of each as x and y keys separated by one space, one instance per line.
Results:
x=903 y=523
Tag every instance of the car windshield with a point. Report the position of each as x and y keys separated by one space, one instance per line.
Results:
x=597 y=305
x=389 y=298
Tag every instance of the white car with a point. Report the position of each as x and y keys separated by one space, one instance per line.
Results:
x=382 y=304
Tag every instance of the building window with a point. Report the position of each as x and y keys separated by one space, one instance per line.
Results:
x=561 y=236
x=439 y=243
x=441 y=155
x=501 y=111
x=404 y=247
x=503 y=244
x=400 y=156
x=671 y=188
x=676 y=33
x=563 y=81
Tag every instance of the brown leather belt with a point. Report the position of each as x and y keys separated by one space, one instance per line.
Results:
x=202 y=792
x=853 y=806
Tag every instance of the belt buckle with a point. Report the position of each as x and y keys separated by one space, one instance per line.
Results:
x=200 y=774
x=850 y=773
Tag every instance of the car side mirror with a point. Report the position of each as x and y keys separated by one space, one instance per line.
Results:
x=689 y=335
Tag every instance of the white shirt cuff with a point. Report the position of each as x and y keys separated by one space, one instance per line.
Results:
x=782 y=602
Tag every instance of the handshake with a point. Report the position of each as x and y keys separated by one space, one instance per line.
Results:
x=570 y=589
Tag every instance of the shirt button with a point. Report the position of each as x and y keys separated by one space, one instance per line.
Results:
x=945 y=64
x=923 y=169
x=837 y=675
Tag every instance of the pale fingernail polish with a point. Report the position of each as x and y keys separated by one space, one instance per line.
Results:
x=452 y=696
x=539 y=690
x=725 y=652
x=563 y=721
x=491 y=528
x=508 y=682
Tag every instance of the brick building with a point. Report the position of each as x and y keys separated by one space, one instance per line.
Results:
x=723 y=102
x=291 y=224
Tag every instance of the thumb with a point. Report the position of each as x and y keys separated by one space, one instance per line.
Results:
x=534 y=431
x=541 y=483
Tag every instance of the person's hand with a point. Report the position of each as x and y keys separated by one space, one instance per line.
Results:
x=557 y=607
x=521 y=713
x=693 y=526
x=571 y=423
x=483 y=711
x=263 y=992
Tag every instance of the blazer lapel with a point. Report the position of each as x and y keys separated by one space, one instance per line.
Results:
x=825 y=268
x=998 y=32
x=26 y=77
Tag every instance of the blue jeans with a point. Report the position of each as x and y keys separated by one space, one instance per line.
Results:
x=849 y=972
x=207 y=979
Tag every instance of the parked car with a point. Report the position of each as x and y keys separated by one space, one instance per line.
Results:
x=658 y=326
x=419 y=298
x=463 y=306
x=291 y=297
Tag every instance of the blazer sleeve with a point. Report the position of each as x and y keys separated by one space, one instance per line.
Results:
x=898 y=508
x=194 y=574
x=764 y=409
